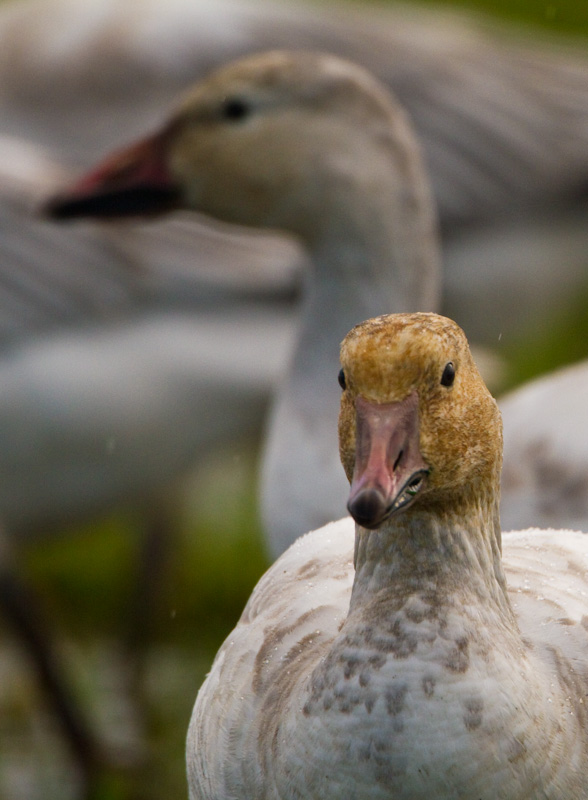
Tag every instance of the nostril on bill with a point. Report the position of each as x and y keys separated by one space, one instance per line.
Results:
x=398 y=459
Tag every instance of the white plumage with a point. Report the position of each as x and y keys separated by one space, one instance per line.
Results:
x=545 y=472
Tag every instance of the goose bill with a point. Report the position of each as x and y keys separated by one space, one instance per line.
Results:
x=132 y=182
x=389 y=470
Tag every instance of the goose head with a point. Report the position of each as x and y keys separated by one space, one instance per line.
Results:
x=276 y=140
x=417 y=426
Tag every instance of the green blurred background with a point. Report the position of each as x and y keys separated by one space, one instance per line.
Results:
x=565 y=16
x=88 y=583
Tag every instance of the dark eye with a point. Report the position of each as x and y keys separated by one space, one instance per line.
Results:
x=234 y=108
x=341 y=379
x=448 y=375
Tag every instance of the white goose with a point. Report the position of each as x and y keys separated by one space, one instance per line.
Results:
x=313 y=145
x=451 y=664
x=545 y=474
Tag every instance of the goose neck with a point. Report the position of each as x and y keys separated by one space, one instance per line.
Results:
x=444 y=557
x=381 y=250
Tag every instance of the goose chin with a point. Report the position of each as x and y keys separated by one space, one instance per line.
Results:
x=370 y=507
x=139 y=201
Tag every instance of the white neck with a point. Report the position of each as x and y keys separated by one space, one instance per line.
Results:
x=373 y=251
x=419 y=554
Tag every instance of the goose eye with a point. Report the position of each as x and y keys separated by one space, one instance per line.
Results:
x=234 y=109
x=448 y=375
x=341 y=379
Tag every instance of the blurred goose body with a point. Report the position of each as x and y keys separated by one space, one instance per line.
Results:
x=115 y=378
x=422 y=655
x=545 y=474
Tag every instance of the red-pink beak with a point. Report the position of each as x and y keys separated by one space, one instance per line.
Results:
x=131 y=182
x=389 y=469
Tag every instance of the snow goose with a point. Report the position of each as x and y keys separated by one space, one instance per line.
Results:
x=503 y=121
x=313 y=145
x=447 y=664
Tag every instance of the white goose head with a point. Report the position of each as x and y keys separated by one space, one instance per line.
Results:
x=273 y=140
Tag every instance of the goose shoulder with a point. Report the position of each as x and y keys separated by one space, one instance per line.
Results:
x=547 y=574
x=298 y=606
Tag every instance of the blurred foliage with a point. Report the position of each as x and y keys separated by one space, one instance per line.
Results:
x=217 y=552
x=548 y=345
x=564 y=16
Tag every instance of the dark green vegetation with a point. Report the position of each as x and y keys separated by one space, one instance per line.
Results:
x=561 y=340
x=565 y=16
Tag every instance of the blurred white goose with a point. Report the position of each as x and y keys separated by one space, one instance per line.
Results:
x=450 y=665
x=464 y=86
x=313 y=145
x=545 y=474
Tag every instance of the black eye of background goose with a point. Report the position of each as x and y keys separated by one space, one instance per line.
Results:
x=234 y=108
x=448 y=375
x=341 y=379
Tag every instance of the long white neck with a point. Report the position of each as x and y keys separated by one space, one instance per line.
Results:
x=373 y=251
